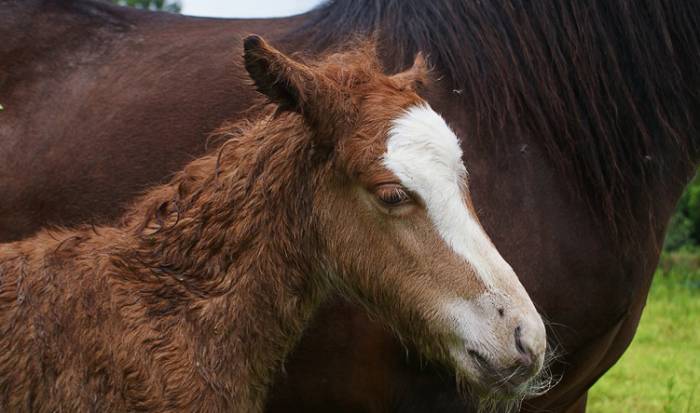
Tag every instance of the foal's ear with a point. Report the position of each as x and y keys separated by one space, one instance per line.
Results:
x=417 y=76
x=283 y=80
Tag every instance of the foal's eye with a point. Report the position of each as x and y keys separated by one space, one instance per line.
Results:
x=392 y=195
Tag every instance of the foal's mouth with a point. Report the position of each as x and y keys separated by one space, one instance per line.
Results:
x=506 y=383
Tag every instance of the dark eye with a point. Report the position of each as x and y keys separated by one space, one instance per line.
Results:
x=392 y=195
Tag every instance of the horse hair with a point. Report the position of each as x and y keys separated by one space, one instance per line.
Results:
x=605 y=110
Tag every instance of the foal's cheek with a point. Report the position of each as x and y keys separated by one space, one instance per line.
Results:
x=345 y=226
x=415 y=235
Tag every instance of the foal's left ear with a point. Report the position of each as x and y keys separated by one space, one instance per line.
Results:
x=278 y=77
x=293 y=86
x=417 y=76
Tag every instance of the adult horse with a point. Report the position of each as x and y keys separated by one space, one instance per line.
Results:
x=577 y=118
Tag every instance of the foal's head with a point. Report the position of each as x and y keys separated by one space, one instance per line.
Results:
x=395 y=225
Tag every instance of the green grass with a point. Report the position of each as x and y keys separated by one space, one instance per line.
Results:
x=660 y=372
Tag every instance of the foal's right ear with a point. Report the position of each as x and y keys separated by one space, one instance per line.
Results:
x=417 y=76
x=283 y=80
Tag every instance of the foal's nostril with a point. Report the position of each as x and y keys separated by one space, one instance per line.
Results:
x=526 y=355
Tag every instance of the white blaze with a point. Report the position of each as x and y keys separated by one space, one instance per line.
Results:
x=424 y=153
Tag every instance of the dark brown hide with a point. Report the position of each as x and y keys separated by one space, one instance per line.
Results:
x=569 y=113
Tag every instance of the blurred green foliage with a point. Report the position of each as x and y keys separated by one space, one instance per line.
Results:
x=173 y=6
x=660 y=373
x=684 y=229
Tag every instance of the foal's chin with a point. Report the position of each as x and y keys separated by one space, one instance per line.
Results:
x=496 y=390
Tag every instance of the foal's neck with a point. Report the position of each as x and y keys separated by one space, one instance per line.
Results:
x=233 y=230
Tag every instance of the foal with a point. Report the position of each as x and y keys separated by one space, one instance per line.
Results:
x=350 y=184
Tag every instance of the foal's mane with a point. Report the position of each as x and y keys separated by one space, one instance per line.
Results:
x=258 y=150
x=607 y=86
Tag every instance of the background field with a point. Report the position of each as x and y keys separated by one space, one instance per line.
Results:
x=660 y=372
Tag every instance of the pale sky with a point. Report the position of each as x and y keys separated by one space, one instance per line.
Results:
x=246 y=8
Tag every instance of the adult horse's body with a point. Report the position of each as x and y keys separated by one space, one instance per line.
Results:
x=576 y=120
